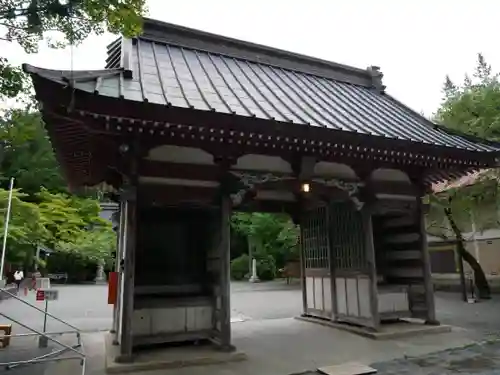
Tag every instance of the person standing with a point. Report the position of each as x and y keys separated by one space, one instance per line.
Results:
x=18 y=277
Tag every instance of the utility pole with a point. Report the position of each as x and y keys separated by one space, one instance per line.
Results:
x=6 y=228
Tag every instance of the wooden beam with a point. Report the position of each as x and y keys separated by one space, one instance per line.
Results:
x=151 y=168
x=165 y=195
x=269 y=206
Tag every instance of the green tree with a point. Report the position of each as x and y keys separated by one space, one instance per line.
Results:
x=28 y=22
x=472 y=108
x=63 y=222
x=26 y=153
x=67 y=216
x=270 y=234
x=26 y=228
x=95 y=245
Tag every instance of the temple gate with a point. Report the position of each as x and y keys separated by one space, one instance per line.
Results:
x=183 y=127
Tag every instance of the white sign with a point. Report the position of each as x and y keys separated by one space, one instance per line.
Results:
x=42 y=283
x=50 y=294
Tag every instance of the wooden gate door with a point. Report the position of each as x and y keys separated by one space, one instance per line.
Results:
x=317 y=281
x=355 y=297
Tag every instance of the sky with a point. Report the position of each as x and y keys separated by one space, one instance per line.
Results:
x=415 y=43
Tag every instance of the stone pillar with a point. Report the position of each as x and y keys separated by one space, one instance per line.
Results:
x=254 y=278
x=100 y=277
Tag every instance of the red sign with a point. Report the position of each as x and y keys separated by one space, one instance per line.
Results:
x=40 y=295
x=112 y=287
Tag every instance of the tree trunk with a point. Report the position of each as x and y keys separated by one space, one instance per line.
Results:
x=479 y=277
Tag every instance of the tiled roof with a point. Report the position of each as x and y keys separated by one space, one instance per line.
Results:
x=169 y=73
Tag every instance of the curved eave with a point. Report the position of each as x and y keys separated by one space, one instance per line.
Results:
x=107 y=105
x=66 y=76
x=56 y=92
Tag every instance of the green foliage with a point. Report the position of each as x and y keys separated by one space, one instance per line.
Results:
x=472 y=108
x=26 y=153
x=75 y=225
x=266 y=266
x=240 y=267
x=42 y=211
x=28 y=22
x=77 y=267
x=65 y=223
x=25 y=226
x=95 y=245
x=272 y=234
x=12 y=79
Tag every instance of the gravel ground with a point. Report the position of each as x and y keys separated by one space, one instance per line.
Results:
x=481 y=359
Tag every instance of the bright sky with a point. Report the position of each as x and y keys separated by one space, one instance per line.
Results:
x=416 y=43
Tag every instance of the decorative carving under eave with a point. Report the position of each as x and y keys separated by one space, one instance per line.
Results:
x=250 y=180
x=351 y=188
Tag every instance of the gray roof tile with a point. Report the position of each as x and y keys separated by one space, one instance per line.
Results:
x=164 y=73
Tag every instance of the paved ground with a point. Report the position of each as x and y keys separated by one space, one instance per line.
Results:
x=479 y=359
x=82 y=306
x=482 y=319
x=263 y=328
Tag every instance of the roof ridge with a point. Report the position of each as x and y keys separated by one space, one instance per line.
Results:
x=164 y=32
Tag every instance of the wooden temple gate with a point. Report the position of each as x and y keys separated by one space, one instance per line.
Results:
x=183 y=127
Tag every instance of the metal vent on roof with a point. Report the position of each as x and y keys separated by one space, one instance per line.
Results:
x=114 y=54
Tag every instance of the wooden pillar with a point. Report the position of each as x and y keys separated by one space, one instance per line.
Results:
x=118 y=262
x=225 y=259
x=430 y=318
x=426 y=265
x=303 y=270
x=370 y=257
x=298 y=219
x=128 y=274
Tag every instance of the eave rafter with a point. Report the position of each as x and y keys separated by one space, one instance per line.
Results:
x=155 y=132
x=279 y=143
x=95 y=116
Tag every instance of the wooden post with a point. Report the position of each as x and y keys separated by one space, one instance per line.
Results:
x=302 y=267
x=370 y=256
x=331 y=264
x=426 y=265
x=130 y=197
x=118 y=260
x=225 y=259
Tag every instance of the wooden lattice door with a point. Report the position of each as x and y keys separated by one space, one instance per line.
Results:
x=354 y=273
x=316 y=265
